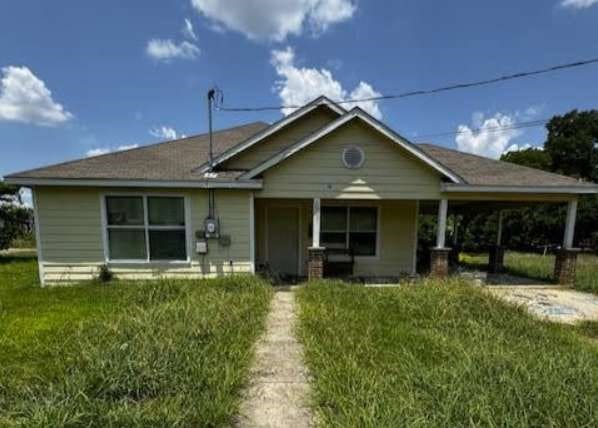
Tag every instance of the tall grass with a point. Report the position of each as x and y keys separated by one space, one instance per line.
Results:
x=542 y=267
x=166 y=353
x=441 y=355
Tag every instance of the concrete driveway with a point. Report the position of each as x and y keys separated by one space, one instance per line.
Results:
x=545 y=300
x=550 y=302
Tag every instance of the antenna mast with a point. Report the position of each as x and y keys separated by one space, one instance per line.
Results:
x=211 y=94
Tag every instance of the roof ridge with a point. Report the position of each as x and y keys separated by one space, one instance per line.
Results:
x=143 y=147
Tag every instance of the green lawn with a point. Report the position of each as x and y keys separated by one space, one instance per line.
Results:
x=124 y=354
x=442 y=355
x=542 y=267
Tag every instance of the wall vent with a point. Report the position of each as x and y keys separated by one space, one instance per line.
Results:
x=353 y=157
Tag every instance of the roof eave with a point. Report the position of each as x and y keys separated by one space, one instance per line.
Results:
x=570 y=189
x=104 y=182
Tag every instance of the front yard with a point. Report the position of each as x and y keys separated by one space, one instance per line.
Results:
x=542 y=267
x=124 y=354
x=442 y=355
x=177 y=354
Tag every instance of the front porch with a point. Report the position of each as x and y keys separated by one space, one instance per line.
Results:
x=378 y=239
x=313 y=238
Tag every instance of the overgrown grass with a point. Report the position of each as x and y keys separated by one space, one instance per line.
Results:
x=542 y=267
x=166 y=353
x=442 y=355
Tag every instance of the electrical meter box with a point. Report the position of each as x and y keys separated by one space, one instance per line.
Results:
x=201 y=247
x=212 y=228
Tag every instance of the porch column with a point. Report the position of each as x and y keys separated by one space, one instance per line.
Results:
x=315 y=264
x=566 y=258
x=440 y=255
x=497 y=252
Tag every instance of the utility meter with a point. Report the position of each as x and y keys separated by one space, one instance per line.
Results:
x=212 y=228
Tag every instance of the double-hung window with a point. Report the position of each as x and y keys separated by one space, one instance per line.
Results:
x=350 y=227
x=146 y=228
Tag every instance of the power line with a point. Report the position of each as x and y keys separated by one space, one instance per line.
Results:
x=491 y=129
x=431 y=91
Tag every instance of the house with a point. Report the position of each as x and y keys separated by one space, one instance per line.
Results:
x=278 y=196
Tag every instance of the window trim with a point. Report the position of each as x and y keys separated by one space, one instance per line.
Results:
x=146 y=227
x=348 y=207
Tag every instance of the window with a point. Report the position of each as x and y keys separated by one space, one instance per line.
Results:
x=146 y=228
x=350 y=227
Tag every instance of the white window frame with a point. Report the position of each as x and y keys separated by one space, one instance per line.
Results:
x=146 y=227
x=347 y=230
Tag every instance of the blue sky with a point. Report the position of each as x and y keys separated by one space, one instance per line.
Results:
x=82 y=78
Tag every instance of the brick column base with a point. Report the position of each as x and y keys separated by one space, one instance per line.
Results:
x=315 y=263
x=496 y=260
x=565 y=266
x=439 y=267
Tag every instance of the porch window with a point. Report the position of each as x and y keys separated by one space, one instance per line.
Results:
x=146 y=228
x=350 y=227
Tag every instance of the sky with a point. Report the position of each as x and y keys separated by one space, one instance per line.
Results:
x=80 y=79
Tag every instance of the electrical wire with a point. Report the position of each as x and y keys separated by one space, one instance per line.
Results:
x=491 y=129
x=457 y=86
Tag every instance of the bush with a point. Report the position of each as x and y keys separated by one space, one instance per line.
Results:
x=105 y=274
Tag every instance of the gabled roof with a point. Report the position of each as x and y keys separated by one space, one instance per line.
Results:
x=171 y=161
x=285 y=121
x=178 y=163
x=359 y=114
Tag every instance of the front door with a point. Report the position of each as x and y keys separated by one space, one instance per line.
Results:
x=283 y=239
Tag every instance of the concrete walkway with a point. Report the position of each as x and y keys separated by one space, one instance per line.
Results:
x=278 y=391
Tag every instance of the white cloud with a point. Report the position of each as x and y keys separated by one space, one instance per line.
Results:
x=26 y=197
x=167 y=50
x=275 y=19
x=297 y=86
x=104 y=150
x=164 y=132
x=188 y=30
x=491 y=139
x=518 y=148
x=579 y=4
x=25 y=98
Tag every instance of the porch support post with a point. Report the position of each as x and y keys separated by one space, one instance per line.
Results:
x=316 y=223
x=315 y=264
x=456 y=247
x=566 y=258
x=440 y=255
x=497 y=252
x=441 y=231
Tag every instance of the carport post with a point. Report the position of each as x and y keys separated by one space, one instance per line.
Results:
x=497 y=252
x=566 y=258
x=440 y=255
x=441 y=232
x=315 y=268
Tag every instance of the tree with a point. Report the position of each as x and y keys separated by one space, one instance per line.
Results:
x=14 y=218
x=532 y=157
x=572 y=144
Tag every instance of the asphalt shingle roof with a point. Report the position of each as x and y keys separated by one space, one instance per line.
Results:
x=480 y=171
x=179 y=160
x=175 y=160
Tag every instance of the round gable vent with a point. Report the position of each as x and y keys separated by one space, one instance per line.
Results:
x=353 y=157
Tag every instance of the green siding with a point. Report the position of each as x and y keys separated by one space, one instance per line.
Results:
x=72 y=241
x=389 y=172
x=278 y=141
